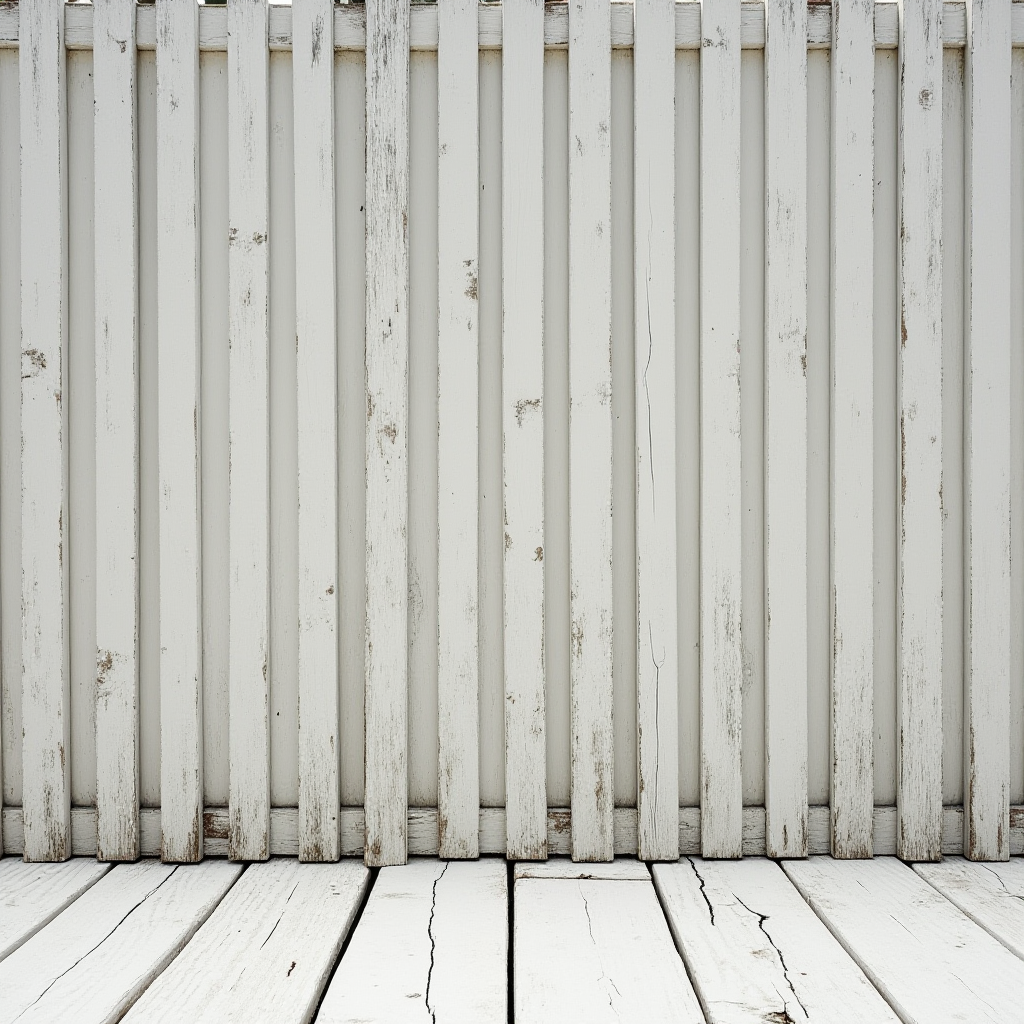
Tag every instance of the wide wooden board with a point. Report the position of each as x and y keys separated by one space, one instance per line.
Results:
x=755 y=950
x=930 y=960
x=432 y=944
x=625 y=870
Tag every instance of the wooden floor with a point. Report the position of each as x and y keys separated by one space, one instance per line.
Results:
x=726 y=942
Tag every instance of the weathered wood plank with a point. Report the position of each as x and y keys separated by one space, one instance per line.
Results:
x=266 y=951
x=32 y=895
x=626 y=870
x=992 y=895
x=756 y=952
x=987 y=432
x=596 y=950
x=178 y=436
x=654 y=71
x=458 y=428
x=249 y=428
x=721 y=653
x=929 y=960
x=432 y=944
x=94 y=960
x=117 y=433
x=590 y=429
x=317 y=375
x=46 y=693
x=387 y=436
x=919 y=596
x=852 y=429
x=522 y=263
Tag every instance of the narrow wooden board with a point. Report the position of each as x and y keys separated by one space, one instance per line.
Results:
x=522 y=383
x=596 y=951
x=625 y=870
x=432 y=944
x=851 y=792
x=94 y=960
x=249 y=429
x=926 y=957
x=117 y=432
x=756 y=952
x=919 y=594
x=31 y=895
x=458 y=428
x=987 y=432
x=266 y=952
x=46 y=673
x=178 y=436
x=721 y=651
x=657 y=681
x=387 y=435
x=317 y=373
x=990 y=894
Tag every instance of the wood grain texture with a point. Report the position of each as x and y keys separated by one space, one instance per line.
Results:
x=721 y=652
x=432 y=944
x=178 y=431
x=987 y=432
x=265 y=953
x=654 y=71
x=590 y=430
x=249 y=429
x=522 y=383
x=46 y=693
x=625 y=870
x=387 y=434
x=785 y=424
x=851 y=791
x=117 y=432
x=317 y=375
x=927 y=958
x=756 y=952
x=94 y=960
x=458 y=429
x=919 y=591
x=596 y=950
x=32 y=895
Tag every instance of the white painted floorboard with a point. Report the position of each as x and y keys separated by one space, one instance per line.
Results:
x=94 y=960
x=33 y=894
x=432 y=945
x=596 y=950
x=990 y=894
x=932 y=963
x=755 y=950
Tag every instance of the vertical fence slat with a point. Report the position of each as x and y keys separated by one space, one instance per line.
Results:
x=117 y=451
x=919 y=597
x=458 y=780
x=852 y=443
x=987 y=430
x=178 y=434
x=522 y=360
x=387 y=435
x=46 y=697
x=654 y=75
x=590 y=429
x=785 y=415
x=317 y=375
x=721 y=655
x=248 y=429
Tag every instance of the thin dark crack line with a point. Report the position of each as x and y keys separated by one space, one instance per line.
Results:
x=703 y=892
x=657 y=713
x=999 y=879
x=279 y=916
x=590 y=928
x=433 y=944
x=761 y=918
x=97 y=946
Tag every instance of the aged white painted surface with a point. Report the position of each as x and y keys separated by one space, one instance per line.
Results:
x=458 y=431
x=317 y=375
x=522 y=369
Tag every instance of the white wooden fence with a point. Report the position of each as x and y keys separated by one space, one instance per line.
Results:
x=296 y=343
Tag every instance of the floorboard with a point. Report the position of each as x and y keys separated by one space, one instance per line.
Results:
x=431 y=945
x=932 y=963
